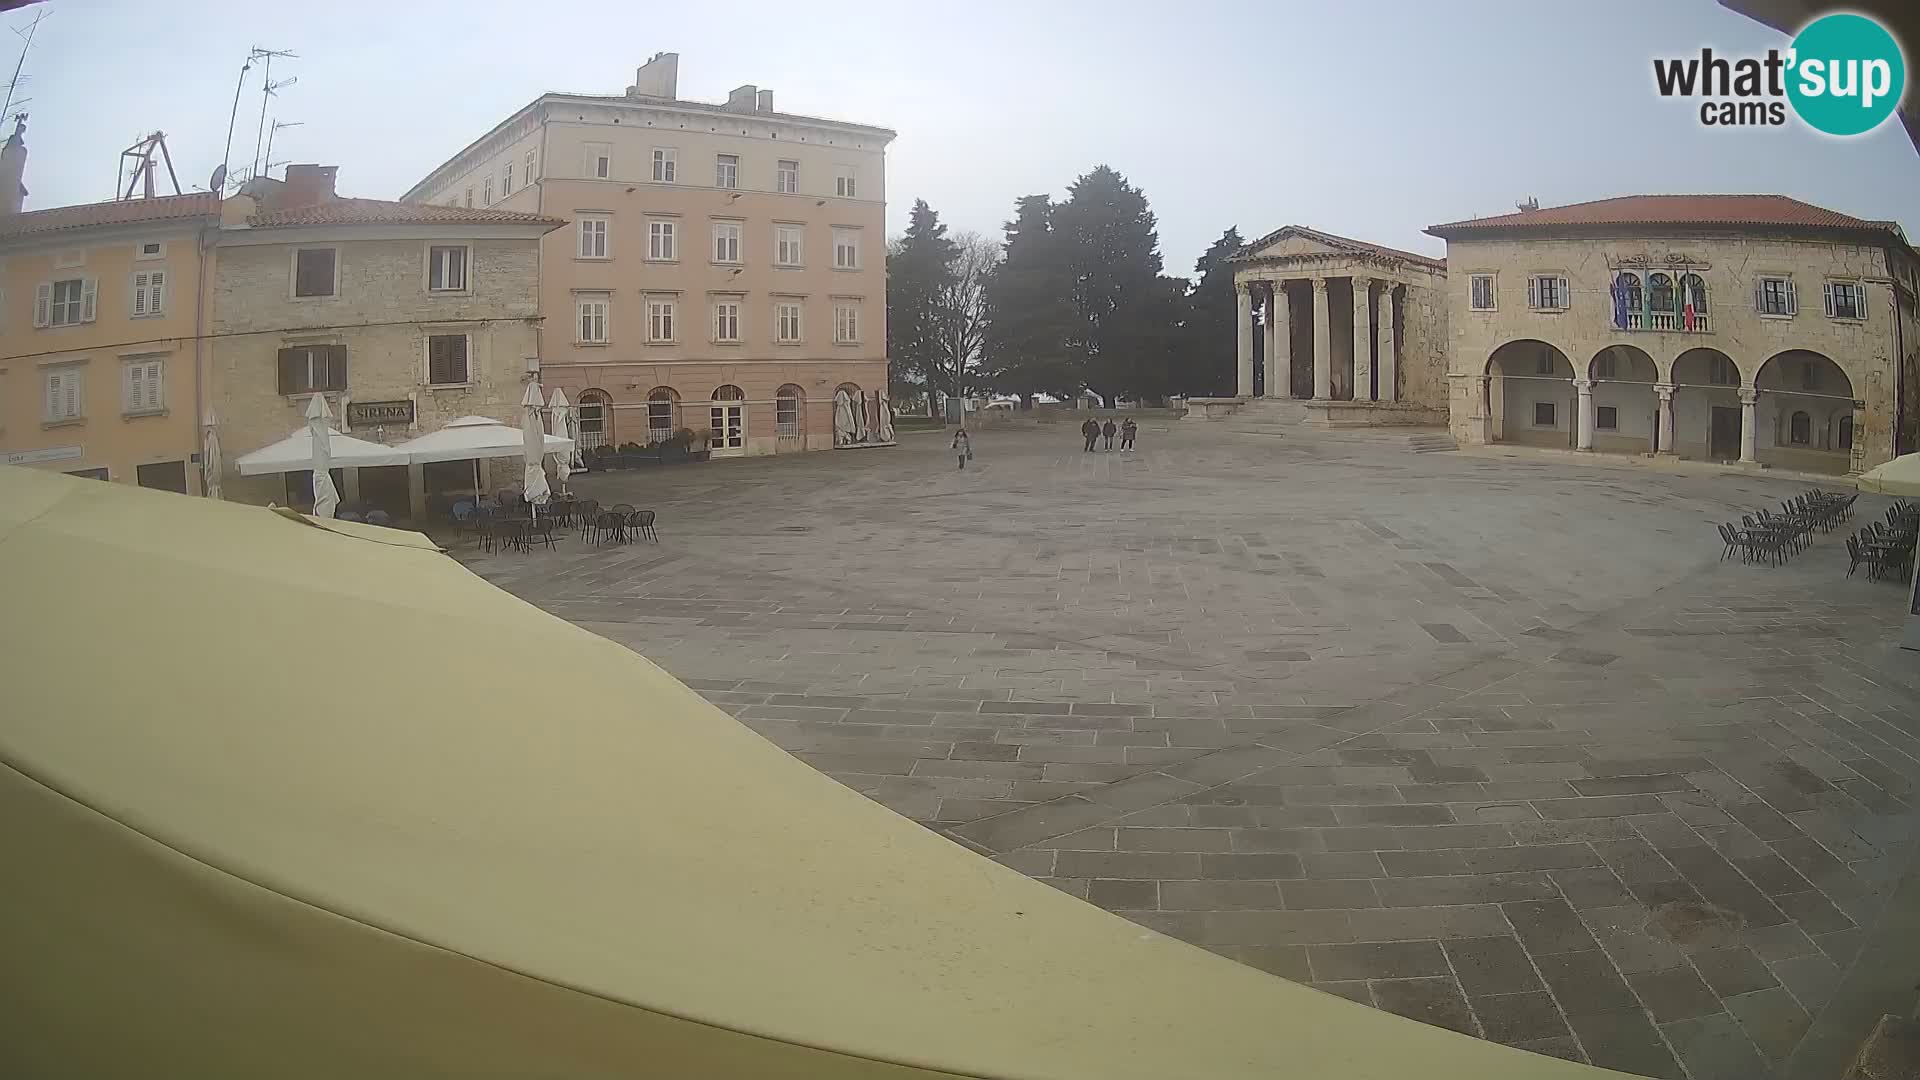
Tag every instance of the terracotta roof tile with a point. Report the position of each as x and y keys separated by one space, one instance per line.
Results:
x=383 y=212
x=1770 y=211
x=91 y=215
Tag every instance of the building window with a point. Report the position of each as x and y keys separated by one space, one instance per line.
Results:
x=1543 y=414
x=151 y=249
x=1721 y=372
x=1693 y=299
x=526 y=169
x=1846 y=300
x=469 y=198
x=149 y=293
x=660 y=240
x=786 y=323
x=660 y=321
x=726 y=241
x=447 y=268
x=1606 y=418
x=313 y=272
x=846 y=323
x=1800 y=429
x=486 y=192
x=593 y=237
x=726 y=321
x=592 y=412
x=1543 y=363
x=1809 y=376
x=600 y=161
x=1630 y=302
x=846 y=249
x=140 y=387
x=1547 y=292
x=1604 y=366
x=726 y=171
x=666 y=164
x=313 y=369
x=1480 y=292
x=447 y=360
x=1774 y=296
x=843 y=181
x=64 y=303
x=786 y=245
x=786 y=411
x=593 y=320
x=162 y=476
x=660 y=403
x=786 y=177
x=1845 y=437
x=506 y=179
x=63 y=394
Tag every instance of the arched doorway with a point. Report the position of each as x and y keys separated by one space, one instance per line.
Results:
x=1803 y=413
x=1626 y=411
x=1707 y=421
x=727 y=430
x=1530 y=398
x=789 y=419
x=595 y=410
x=663 y=413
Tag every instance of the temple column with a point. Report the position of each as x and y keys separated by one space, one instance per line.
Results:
x=1663 y=419
x=1243 y=310
x=1322 y=330
x=1276 y=330
x=1389 y=365
x=1362 y=339
x=1583 y=418
x=1748 y=436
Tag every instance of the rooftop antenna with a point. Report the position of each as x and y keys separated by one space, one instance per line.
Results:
x=13 y=84
x=266 y=168
x=268 y=88
x=1528 y=205
x=142 y=154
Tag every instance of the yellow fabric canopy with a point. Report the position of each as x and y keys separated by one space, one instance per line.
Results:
x=286 y=801
x=1901 y=476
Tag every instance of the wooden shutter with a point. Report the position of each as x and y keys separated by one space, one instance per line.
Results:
x=154 y=384
x=1565 y=295
x=55 y=383
x=447 y=359
x=139 y=294
x=292 y=363
x=89 y=292
x=1860 y=300
x=336 y=367
x=1828 y=289
x=1792 y=304
x=43 y=304
x=136 y=388
x=1760 y=295
x=1533 y=292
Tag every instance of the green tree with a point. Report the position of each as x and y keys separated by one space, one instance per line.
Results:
x=1123 y=318
x=1209 y=342
x=1029 y=309
x=919 y=271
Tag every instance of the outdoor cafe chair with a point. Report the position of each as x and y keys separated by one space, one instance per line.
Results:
x=641 y=524
x=611 y=528
x=379 y=517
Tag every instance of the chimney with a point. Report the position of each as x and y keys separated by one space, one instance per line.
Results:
x=742 y=99
x=308 y=185
x=764 y=101
x=659 y=77
x=13 y=167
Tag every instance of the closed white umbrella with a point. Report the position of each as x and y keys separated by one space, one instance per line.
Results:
x=533 y=432
x=563 y=426
x=319 y=423
x=210 y=463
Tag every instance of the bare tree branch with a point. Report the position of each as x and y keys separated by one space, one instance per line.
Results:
x=962 y=307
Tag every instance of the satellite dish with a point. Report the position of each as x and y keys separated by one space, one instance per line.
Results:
x=219 y=178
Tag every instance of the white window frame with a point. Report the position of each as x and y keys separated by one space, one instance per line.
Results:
x=434 y=252
x=64 y=383
x=1473 y=292
x=787 y=427
x=663 y=317
x=527 y=167
x=143 y=381
x=786 y=177
x=846 y=322
x=1787 y=294
x=846 y=182
x=599 y=161
x=726 y=322
x=727 y=236
x=140 y=252
x=726 y=171
x=593 y=237
x=147 y=293
x=469 y=204
x=83 y=307
x=506 y=177
x=1859 y=291
x=591 y=312
x=846 y=248
x=666 y=165
x=486 y=192
x=663 y=240
x=1563 y=294
x=782 y=310
x=293 y=273
x=789 y=245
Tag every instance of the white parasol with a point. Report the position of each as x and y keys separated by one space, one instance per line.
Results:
x=533 y=430
x=320 y=424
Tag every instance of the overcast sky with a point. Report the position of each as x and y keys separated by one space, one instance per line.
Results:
x=1372 y=119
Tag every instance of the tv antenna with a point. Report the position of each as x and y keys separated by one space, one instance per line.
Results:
x=268 y=88
x=226 y=155
x=142 y=154
x=14 y=84
x=266 y=167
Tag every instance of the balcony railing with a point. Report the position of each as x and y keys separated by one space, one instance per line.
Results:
x=1667 y=322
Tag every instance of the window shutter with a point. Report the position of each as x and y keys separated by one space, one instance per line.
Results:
x=336 y=367
x=289 y=370
x=139 y=294
x=43 y=304
x=1566 y=297
x=1792 y=302
x=54 y=380
x=135 y=393
x=89 y=292
x=153 y=385
x=1533 y=292
x=1860 y=300
x=1828 y=289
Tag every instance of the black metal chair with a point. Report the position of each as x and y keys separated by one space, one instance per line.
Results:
x=640 y=522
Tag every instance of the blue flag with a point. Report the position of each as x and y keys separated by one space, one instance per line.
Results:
x=1619 y=301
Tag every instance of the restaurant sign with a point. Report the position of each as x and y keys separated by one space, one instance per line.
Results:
x=379 y=413
x=34 y=457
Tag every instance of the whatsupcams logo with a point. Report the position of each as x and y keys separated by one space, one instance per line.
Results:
x=1843 y=74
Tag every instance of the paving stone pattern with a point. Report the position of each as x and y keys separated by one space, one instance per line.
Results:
x=1495 y=744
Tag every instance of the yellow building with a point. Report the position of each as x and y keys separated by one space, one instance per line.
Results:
x=725 y=269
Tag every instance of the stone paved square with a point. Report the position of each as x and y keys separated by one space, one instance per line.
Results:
x=1495 y=741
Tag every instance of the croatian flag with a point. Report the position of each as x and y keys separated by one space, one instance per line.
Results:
x=1619 y=302
x=1686 y=315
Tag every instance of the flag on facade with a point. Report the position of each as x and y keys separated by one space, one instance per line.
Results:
x=1686 y=316
x=1619 y=301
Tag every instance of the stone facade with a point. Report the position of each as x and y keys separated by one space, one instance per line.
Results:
x=759 y=235
x=1342 y=321
x=1762 y=375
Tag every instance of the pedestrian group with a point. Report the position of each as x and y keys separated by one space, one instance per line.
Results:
x=1093 y=431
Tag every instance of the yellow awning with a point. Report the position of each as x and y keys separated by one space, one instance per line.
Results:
x=1901 y=476
x=285 y=801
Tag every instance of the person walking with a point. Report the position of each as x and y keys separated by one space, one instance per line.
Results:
x=1090 y=431
x=1127 y=431
x=1110 y=430
x=962 y=448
